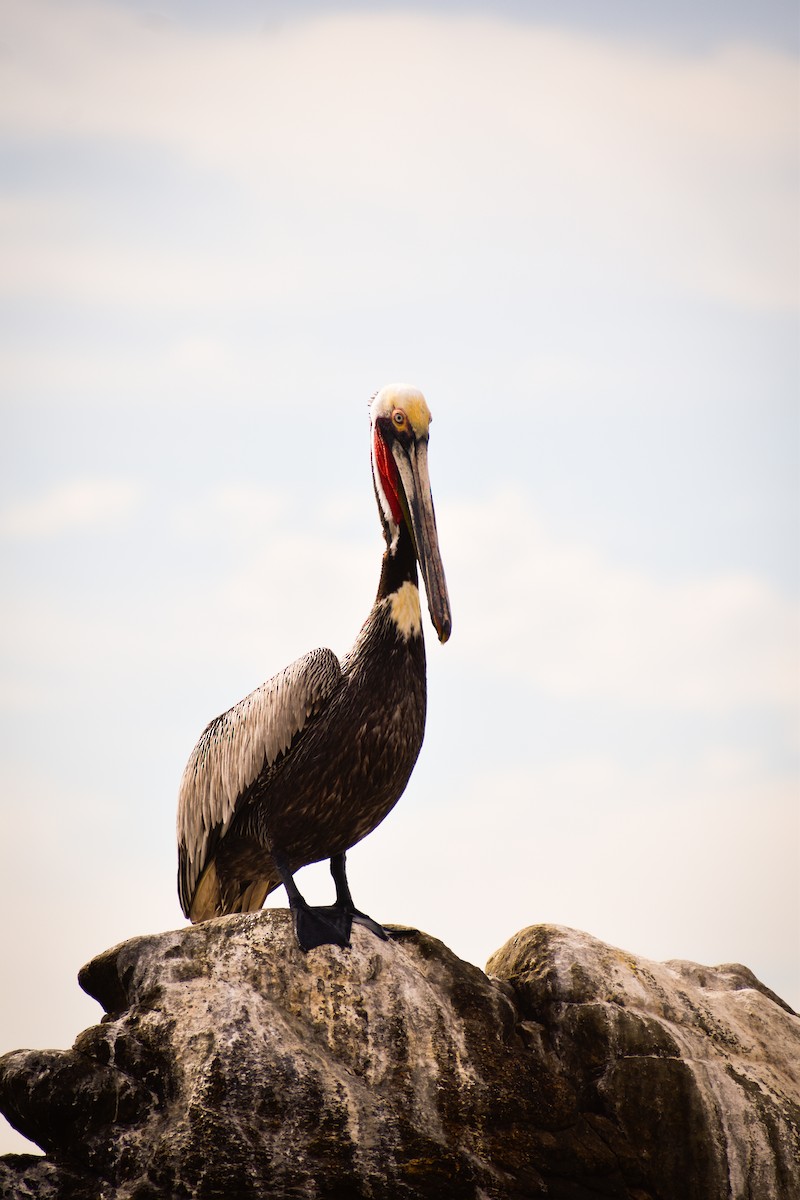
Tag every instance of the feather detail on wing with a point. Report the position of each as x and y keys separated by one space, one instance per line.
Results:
x=236 y=747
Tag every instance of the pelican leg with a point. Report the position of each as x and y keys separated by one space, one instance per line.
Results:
x=344 y=901
x=313 y=926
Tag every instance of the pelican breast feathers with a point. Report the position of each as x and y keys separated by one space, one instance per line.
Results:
x=236 y=748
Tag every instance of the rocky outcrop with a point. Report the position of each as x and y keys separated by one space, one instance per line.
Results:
x=229 y=1064
x=694 y=1070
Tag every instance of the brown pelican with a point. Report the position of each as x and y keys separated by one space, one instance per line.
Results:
x=312 y=761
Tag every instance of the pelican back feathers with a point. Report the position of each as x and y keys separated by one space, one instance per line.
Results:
x=233 y=752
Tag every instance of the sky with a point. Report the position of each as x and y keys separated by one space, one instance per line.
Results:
x=223 y=227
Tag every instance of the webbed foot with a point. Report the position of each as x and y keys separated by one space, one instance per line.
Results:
x=345 y=916
x=321 y=926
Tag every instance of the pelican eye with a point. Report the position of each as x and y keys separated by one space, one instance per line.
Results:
x=399 y=419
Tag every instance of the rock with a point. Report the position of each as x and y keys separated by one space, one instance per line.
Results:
x=230 y=1064
x=697 y=1067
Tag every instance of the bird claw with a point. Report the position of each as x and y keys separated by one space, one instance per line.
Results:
x=362 y=919
x=399 y=932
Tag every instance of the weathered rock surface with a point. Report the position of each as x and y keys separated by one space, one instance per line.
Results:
x=230 y=1064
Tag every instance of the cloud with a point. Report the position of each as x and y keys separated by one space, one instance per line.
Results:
x=233 y=512
x=241 y=598
x=80 y=504
x=559 y=616
x=527 y=144
x=556 y=615
x=575 y=624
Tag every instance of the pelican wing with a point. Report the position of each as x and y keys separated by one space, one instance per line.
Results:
x=233 y=751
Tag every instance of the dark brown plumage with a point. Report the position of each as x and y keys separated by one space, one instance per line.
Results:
x=314 y=759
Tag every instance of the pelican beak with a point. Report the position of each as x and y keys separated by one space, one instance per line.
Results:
x=412 y=465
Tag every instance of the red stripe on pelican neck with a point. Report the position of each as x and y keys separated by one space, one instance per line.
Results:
x=387 y=469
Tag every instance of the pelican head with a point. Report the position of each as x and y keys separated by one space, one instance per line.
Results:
x=400 y=420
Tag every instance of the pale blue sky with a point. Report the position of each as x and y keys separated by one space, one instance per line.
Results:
x=221 y=234
x=689 y=24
